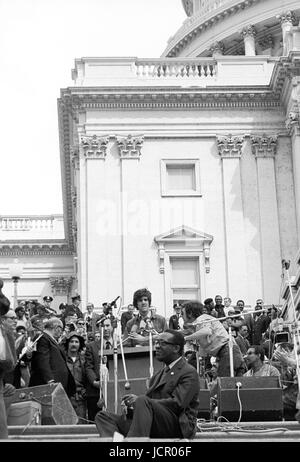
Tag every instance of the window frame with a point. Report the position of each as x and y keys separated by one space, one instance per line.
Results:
x=165 y=192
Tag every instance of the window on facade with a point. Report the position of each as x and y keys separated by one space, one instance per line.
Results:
x=185 y=280
x=180 y=177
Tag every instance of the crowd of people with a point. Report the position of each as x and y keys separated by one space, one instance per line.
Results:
x=51 y=347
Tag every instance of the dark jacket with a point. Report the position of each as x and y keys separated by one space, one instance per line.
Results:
x=243 y=343
x=260 y=325
x=178 y=390
x=174 y=322
x=92 y=365
x=49 y=363
x=71 y=310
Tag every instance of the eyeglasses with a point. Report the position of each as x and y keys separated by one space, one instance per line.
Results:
x=80 y=324
x=163 y=343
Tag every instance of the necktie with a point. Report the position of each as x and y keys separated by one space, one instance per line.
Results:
x=165 y=371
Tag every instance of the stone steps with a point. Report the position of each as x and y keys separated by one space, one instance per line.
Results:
x=210 y=431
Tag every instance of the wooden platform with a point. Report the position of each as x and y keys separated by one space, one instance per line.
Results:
x=210 y=432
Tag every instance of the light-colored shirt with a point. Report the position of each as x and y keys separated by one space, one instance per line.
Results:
x=265 y=371
x=174 y=362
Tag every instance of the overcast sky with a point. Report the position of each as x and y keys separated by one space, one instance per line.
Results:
x=39 y=40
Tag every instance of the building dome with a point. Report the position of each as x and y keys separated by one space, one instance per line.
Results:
x=223 y=25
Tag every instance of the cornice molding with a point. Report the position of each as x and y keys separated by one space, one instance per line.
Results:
x=130 y=146
x=264 y=145
x=230 y=146
x=94 y=147
x=159 y=99
x=15 y=249
x=69 y=154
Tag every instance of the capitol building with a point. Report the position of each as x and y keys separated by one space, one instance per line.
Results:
x=180 y=173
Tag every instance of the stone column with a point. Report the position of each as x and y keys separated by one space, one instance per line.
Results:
x=264 y=150
x=217 y=49
x=230 y=151
x=293 y=127
x=248 y=33
x=287 y=20
x=92 y=156
x=129 y=151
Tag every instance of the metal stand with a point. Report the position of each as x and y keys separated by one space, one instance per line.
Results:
x=230 y=344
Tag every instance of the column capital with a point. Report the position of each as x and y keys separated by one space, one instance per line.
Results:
x=248 y=31
x=230 y=146
x=130 y=146
x=61 y=285
x=286 y=17
x=94 y=147
x=217 y=47
x=292 y=123
x=264 y=145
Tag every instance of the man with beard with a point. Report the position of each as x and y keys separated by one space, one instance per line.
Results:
x=75 y=362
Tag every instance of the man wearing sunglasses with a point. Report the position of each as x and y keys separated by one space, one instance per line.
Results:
x=169 y=407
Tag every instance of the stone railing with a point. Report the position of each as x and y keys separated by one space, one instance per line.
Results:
x=22 y=223
x=176 y=68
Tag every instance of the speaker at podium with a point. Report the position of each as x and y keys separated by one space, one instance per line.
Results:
x=260 y=398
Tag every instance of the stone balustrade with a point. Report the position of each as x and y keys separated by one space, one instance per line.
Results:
x=164 y=72
x=20 y=223
x=185 y=68
x=21 y=227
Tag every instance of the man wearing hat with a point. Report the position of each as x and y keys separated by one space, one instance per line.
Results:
x=75 y=361
x=74 y=308
x=38 y=319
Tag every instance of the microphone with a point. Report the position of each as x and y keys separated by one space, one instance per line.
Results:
x=114 y=301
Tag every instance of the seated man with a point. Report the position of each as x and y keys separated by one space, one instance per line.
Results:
x=138 y=328
x=169 y=407
x=255 y=359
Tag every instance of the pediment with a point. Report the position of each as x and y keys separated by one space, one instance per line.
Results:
x=183 y=233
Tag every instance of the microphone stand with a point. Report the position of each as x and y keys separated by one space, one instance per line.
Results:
x=230 y=344
x=115 y=348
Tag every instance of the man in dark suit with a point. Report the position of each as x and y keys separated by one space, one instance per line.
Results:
x=48 y=363
x=241 y=339
x=169 y=407
x=92 y=369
